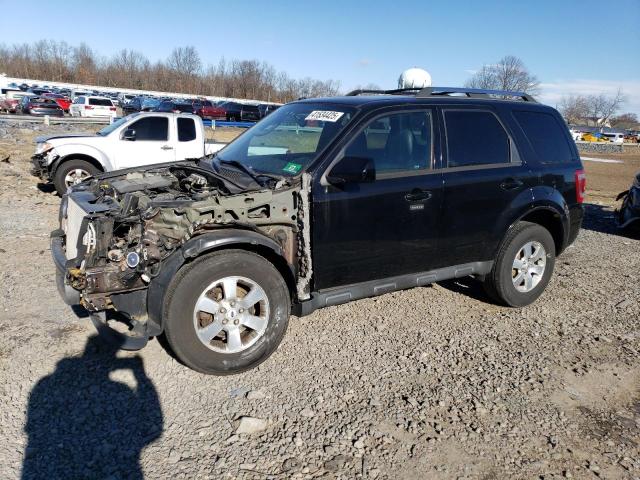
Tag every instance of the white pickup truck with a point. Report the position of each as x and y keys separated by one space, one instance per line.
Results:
x=135 y=140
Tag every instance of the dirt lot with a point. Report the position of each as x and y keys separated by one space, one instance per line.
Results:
x=431 y=383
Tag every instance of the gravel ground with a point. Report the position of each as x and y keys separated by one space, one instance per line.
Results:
x=431 y=383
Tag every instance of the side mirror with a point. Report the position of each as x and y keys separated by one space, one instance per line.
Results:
x=352 y=170
x=129 y=134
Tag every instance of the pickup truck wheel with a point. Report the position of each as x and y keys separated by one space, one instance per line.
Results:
x=226 y=312
x=523 y=266
x=71 y=172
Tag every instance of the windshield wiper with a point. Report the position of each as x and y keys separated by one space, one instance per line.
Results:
x=249 y=171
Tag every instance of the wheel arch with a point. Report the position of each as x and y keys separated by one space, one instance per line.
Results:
x=201 y=245
x=550 y=218
x=76 y=156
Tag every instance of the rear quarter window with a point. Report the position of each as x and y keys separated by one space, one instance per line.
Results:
x=546 y=135
x=186 y=130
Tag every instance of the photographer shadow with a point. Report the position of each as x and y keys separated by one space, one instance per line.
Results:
x=82 y=423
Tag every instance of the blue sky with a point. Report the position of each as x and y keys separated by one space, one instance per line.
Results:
x=572 y=46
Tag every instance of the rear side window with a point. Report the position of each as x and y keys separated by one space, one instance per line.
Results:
x=186 y=130
x=151 y=129
x=475 y=138
x=546 y=136
x=101 y=102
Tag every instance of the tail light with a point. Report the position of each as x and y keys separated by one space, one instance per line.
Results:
x=88 y=107
x=113 y=109
x=581 y=185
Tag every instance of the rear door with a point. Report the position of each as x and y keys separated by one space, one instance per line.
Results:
x=153 y=143
x=101 y=107
x=484 y=181
x=389 y=227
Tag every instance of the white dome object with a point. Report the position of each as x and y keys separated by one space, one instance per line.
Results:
x=414 y=78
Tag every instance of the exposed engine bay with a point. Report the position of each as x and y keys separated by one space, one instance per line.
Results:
x=120 y=228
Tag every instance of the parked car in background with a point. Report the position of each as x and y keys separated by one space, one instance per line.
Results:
x=207 y=110
x=80 y=93
x=11 y=101
x=614 y=137
x=149 y=104
x=132 y=106
x=135 y=140
x=40 y=106
x=266 y=109
x=38 y=91
x=174 y=107
x=594 y=137
x=61 y=100
x=240 y=112
x=92 y=107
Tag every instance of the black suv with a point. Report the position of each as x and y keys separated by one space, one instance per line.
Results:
x=323 y=202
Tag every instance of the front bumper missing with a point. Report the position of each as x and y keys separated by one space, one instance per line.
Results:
x=134 y=340
x=39 y=167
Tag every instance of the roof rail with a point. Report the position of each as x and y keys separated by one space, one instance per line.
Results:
x=472 y=92
x=397 y=91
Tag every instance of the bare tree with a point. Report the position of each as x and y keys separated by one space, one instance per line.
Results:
x=182 y=71
x=574 y=108
x=509 y=73
x=602 y=107
x=625 y=120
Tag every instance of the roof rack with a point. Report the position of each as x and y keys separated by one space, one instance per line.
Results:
x=397 y=91
x=473 y=93
x=446 y=91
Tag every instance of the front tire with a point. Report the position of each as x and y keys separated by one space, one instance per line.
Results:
x=227 y=312
x=523 y=266
x=71 y=172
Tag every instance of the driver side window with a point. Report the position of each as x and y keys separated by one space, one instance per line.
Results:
x=398 y=143
x=151 y=129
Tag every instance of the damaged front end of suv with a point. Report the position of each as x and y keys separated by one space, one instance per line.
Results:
x=123 y=236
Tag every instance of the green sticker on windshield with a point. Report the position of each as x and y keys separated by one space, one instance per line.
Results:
x=292 y=168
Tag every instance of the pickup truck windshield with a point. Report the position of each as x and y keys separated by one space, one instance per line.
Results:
x=289 y=139
x=110 y=128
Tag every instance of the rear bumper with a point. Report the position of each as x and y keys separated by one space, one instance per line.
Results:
x=576 y=216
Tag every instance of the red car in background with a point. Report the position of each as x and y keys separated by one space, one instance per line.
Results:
x=205 y=109
x=62 y=101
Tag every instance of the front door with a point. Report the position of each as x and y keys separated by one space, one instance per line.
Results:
x=370 y=230
x=152 y=143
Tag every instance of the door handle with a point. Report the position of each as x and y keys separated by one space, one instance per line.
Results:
x=417 y=195
x=511 y=184
x=166 y=147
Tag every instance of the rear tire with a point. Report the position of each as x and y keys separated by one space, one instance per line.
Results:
x=241 y=338
x=523 y=266
x=69 y=169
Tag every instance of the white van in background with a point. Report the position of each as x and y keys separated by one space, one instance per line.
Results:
x=92 y=107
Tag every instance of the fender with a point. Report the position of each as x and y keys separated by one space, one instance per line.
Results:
x=192 y=249
x=542 y=198
x=70 y=150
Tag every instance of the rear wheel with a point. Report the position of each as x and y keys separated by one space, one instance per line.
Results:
x=72 y=172
x=523 y=266
x=227 y=312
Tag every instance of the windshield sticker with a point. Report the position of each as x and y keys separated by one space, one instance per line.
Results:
x=292 y=168
x=324 y=116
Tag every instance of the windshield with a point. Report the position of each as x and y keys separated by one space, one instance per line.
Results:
x=289 y=139
x=110 y=128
